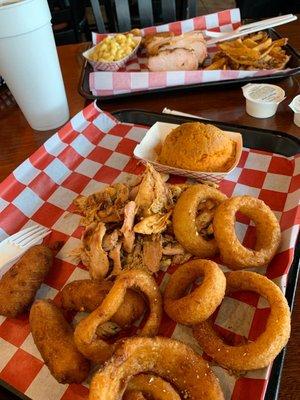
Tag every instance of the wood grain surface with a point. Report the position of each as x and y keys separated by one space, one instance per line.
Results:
x=18 y=141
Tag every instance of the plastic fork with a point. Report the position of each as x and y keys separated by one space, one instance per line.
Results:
x=14 y=246
x=217 y=37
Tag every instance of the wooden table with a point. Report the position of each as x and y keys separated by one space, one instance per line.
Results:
x=18 y=141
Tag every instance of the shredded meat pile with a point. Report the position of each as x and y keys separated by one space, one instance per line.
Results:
x=129 y=226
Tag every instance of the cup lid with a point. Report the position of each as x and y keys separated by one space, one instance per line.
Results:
x=263 y=93
x=295 y=104
x=22 y=17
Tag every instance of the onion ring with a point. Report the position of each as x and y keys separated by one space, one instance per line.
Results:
x=88 y=294
x=184 y=217
x=170 y=359
x=201 y=303
x=264 y=349
x=233 y=253
x=153 y=386
x=97 y=349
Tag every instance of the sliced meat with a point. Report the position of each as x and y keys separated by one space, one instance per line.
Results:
x=127 y=228
x=115 y=255
x=110 y=240
x=192 y=40
x=134 y=259
x=181 y=258
x=94 y=201
x=197 y=46
x=153 y=196
x=200 y=50
x=110 y=214
x=178 y=59
x=122 y=194
x=105 y=206
x=134 y=186
x=152 y=252
x=173 y=249
x=133 y=192
x=93 y=255
x=154 y=41
x=155 y=223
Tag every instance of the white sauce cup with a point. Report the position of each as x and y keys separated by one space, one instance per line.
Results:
x=262 y=99
x=295 y=106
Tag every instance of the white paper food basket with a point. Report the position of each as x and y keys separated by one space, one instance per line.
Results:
x=154 y=138
x=111 y=65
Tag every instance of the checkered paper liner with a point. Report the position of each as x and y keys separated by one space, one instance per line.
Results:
x=92 y=150
x=135 y=76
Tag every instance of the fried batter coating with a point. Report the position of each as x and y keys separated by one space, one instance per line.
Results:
x=170 y=359
x=53 y=337
x=18 y=286
x=95 y=346
x=202 y=302
x=262 y=351
x=268 y=235
x=151 y=386
x=185 y=222
x=87 y=295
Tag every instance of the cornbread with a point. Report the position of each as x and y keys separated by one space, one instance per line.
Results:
x=198 y=147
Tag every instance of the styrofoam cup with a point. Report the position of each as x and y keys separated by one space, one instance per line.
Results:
x=29 y=63
x=262 y=99
x=295 y=106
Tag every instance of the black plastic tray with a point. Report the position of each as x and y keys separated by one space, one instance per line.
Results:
x=254 y=138
x=294 y=64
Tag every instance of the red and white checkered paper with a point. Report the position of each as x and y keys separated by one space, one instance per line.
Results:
x=135 y=76
x=92 y=150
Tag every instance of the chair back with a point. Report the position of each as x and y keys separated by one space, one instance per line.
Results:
x=68 y=21
x=126 y=15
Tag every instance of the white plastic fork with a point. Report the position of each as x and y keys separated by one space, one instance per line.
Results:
x=14 y=246
x=217 y=37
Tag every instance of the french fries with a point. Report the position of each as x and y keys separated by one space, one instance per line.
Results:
x=255 y=51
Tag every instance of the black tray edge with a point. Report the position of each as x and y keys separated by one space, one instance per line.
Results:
x=12 y=392
x=272 y=390
x=279 y=76
x=128 y=115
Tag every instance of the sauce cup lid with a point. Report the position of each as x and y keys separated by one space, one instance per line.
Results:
x=263 y=93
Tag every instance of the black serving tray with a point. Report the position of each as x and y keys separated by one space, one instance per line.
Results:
x=254 y=138
x=294 y=64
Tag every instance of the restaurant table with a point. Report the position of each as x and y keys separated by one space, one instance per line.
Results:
x=18 y=141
